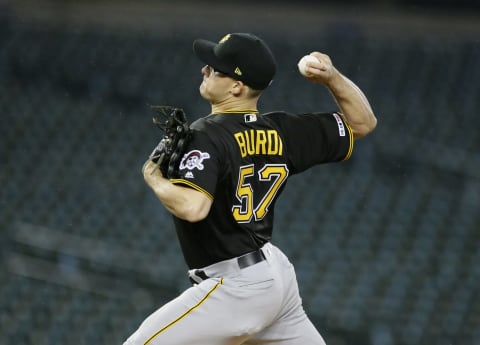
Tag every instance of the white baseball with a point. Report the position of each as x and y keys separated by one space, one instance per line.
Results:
x=302 y=64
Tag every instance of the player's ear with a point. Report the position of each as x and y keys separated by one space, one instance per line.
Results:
x=238 y=88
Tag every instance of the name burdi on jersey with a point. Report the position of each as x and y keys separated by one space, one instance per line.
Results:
x=259 y=142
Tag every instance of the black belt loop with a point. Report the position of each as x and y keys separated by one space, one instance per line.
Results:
x=201 y=275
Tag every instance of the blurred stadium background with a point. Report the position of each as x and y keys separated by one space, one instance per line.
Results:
x=386 y=245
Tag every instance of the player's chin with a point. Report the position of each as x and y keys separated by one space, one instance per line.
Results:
x=201 y=88
x=204 y=92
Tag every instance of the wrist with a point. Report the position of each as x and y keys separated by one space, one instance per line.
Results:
x=336 y=81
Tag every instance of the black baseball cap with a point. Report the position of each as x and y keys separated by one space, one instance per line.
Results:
x=241 y=56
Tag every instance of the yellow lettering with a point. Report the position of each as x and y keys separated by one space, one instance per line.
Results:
x=272 y=142
x=259 y=142
x=241 y=143
x=280 y=146
x=250 y=142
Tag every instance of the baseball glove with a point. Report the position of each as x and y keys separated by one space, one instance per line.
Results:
x=177 y=133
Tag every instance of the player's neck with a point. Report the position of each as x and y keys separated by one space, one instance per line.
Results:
x=235 y=105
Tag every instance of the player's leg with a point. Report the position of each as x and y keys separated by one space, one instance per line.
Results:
x=188 y=319
x=222 y=311
x=292 y=327
x=289 y=331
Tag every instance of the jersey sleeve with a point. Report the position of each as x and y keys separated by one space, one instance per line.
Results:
x=199 y=165
x=316 y=138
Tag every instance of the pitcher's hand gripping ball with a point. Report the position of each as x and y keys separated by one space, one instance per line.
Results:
x=177 y=133
x=302 y=64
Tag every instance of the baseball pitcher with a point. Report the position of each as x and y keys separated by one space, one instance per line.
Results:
x=220 y=178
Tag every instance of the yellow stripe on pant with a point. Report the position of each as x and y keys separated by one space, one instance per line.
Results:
x=186 y=313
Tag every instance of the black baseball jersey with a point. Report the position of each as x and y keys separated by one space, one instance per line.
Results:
x=242 y=161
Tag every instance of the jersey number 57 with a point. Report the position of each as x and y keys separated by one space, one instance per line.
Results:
x=274 y=174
